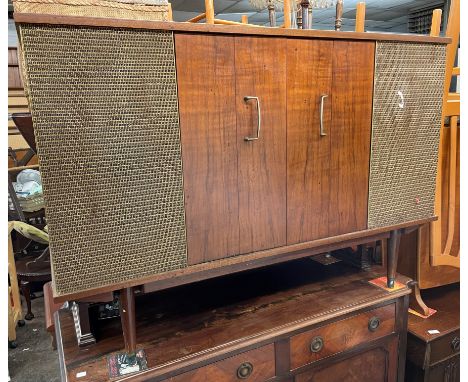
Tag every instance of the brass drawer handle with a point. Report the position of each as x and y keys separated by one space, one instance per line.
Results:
x=259 y=118
x=373 y=324
x=322 y=99
x=456 y=344
x=316 y=345
x=245 y=370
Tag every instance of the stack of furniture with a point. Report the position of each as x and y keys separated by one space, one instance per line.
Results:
x=202 y=150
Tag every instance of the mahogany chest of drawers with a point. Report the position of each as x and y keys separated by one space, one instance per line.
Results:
x=298 y=321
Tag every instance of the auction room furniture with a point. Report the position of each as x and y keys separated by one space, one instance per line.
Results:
x=431 y=255
x=434 y=343
x=15 y=313
x=297 y=321
x=31 y=269
x=220 y=148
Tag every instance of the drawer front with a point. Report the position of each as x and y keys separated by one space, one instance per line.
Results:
x=339 y=336
x=377 y=364
x=445 y=346
x=254 y=365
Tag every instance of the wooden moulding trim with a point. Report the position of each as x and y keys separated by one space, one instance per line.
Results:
x=244 y=262
x=260 y=339
x=34 y=18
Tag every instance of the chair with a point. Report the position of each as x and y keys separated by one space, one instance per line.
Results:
x=15 y=314
x=31 y=269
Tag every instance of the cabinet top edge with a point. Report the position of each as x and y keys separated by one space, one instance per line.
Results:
x=35 y=18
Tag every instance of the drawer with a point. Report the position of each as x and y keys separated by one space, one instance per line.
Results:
x=444 y=347
x=339 y=336
x=254 y=365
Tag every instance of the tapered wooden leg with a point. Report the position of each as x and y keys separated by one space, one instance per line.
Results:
x=392 y=256
x=127 y=317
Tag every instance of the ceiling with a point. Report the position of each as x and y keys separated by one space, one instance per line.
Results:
x=381 y=15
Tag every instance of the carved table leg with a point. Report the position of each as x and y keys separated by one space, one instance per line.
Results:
x=127 y=317
x=392 y=256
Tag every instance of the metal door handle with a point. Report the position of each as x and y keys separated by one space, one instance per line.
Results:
x=322 y=131
x=259 y=118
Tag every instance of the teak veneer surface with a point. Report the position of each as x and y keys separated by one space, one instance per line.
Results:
x=206 y=89
x=35 y=18
x=208 y=321
x=262 y=163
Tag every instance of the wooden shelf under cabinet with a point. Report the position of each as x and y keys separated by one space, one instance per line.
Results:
x=267 y=318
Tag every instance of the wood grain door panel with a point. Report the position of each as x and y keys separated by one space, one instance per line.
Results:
x=261 y=72
x=206 y=86
x=328 y=175
x=309 y=75
x=350 y=132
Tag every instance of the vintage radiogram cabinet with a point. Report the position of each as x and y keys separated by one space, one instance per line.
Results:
x=175 y=152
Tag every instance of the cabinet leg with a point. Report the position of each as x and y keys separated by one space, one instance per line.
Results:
x=392 y=256
x=127 y=317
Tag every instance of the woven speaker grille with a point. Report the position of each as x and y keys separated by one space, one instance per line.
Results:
x=105 y=113
x=408 y=90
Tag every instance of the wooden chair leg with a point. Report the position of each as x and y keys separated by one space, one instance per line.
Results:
x=26 y=290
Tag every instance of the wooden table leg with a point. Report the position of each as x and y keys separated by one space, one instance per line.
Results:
x=392 y=256
x=127 y=317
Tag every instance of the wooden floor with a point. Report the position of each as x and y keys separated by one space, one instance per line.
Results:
x=175 y=325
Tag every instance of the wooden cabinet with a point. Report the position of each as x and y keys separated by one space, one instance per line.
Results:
x=172 y=117
x=329 y=123
x=435 y=357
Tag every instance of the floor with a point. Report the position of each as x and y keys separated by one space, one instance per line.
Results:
x=34 y=360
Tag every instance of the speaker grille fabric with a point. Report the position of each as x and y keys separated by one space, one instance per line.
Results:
x=105 y=113
x=408 y=90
